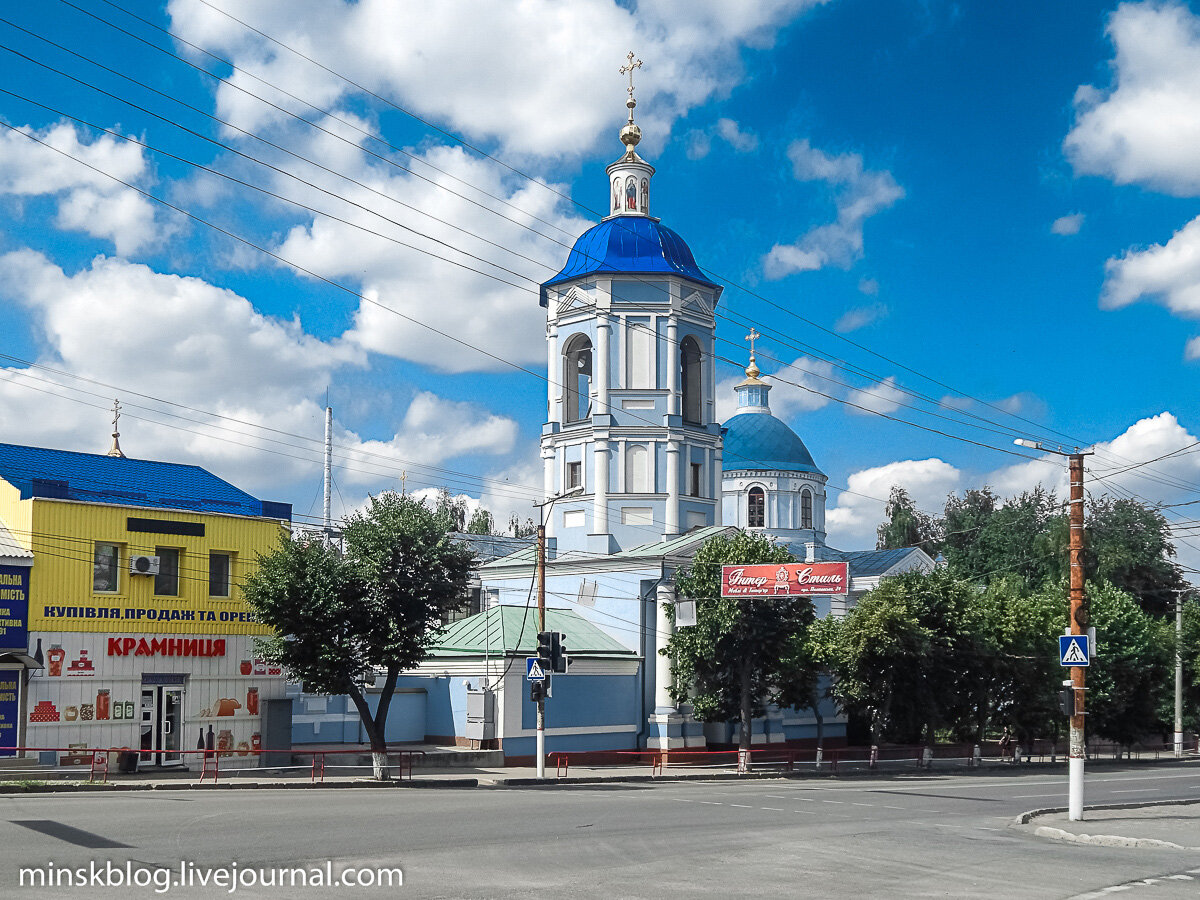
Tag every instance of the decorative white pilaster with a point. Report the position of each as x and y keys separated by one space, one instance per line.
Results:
x=600 y=493
x=663 y=629
x=671 y=516
x=672 y=367
x=548 y=481
x=601 y=364
x=554 y=370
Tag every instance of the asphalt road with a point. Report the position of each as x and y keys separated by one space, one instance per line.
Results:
x=945 y=836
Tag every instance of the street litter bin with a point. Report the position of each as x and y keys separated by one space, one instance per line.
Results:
x=127 y=762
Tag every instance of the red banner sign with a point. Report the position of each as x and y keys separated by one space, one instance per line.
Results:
x=785 y=580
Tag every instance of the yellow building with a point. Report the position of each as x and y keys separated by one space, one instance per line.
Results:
x=134 y=629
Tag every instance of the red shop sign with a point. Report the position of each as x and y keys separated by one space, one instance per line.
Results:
x=785 y=579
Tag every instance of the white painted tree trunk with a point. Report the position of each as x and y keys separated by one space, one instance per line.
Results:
x=380 y=764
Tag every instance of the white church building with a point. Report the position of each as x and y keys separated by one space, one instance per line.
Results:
x=646 y=474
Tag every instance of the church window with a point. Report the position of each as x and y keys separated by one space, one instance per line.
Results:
x=756 y=511
x=690 y=381
x=577 y=379
x=806 y=518
x=637 y=470
x=574 y=475
x=697 y=469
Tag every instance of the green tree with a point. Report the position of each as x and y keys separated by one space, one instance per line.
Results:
x=742 y=649
x=1026 y=670
x=340 y=621
x=1131 y=669
x=450 y=511
x=915 y=655
x=1129 y=545
x=1025 y=536
x=906 y=526
x=481 y=522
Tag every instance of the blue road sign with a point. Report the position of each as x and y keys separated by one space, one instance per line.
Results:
x=533 y=669
x=1074 y=650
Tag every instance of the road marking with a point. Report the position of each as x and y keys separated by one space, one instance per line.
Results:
x=905 y=807
x=841 y=802
x=872 y=805
x=987 y=828
x=1034 y=796
x=711 y=803
x=741 y=806
x=680 y=800
x=1135 y=791
x=771 y=808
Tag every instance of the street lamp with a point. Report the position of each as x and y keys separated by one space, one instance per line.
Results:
x=541 y=596
x=1077 y=619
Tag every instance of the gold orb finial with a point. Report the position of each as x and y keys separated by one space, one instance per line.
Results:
x=630 y=134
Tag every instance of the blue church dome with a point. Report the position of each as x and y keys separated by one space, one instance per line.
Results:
x=758 y=440
x=629 y=245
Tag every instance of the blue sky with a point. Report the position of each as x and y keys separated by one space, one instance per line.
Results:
x=982 y=211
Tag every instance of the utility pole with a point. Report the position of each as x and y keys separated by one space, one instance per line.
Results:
x=540 y=566
x=541 y=599
x=1179 y=673
x=1077 y=619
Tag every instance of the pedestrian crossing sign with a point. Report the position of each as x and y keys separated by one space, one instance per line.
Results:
x=533 y=669
x=1074 y=650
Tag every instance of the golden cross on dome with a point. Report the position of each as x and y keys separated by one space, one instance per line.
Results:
x=752 y=337
x=116 y=413
x=629 y=68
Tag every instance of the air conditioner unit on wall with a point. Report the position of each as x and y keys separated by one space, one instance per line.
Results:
x=143 y=565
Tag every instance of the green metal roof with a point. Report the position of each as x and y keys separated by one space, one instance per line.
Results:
x=676 y=544
x=513 y=629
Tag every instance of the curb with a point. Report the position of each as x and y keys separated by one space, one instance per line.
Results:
x=1103 y=840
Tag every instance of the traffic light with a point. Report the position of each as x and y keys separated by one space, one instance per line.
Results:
x=1066 y=701
x=558 y=653
x=537 y=691
x=545 y=649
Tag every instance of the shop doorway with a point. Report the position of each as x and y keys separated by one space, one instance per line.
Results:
x=162 y=725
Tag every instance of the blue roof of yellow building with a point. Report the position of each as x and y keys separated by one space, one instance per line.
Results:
x=92 y=478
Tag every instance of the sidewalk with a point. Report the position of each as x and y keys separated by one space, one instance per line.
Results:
x=1173 y=825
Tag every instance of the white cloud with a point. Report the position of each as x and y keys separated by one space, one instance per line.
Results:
x=499 y=314
x=882 y=397
x=860 y=317
x=526 y=75
x=858 y=194
x=868 y=286
x=852 y=522
x=741 y=141
x=89 y=201
x=1067 y=225
x=699 y=143
x=1193 y=349
x=1145 y=128
x=188 y=342
x=1167 y=272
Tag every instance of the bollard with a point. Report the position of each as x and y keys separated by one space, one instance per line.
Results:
x=874 y=756
x=977 y=756
x=820 y=754
x=927 y=758
x=1017 y=755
